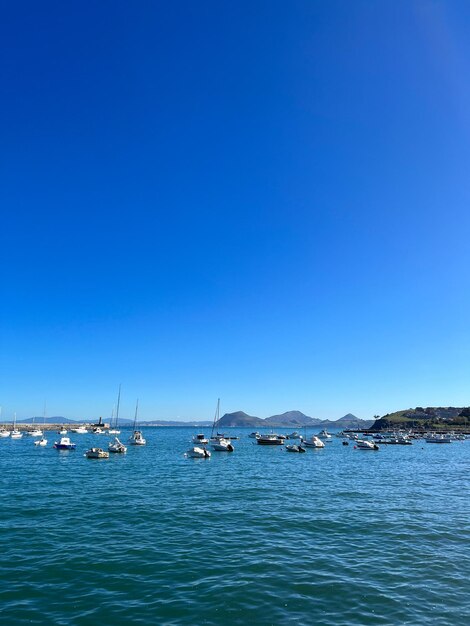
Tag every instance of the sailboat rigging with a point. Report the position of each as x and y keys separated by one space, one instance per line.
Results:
x=114 y=430
x=136 y=439
x=219 y=442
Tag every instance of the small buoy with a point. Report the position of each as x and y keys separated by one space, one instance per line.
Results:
x=355 y=447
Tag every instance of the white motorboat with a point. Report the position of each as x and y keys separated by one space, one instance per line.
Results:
x=64 y=444
x=41 y=442
x=294 y=435
x=62 y=431
x=221 y=445
x=79 y=430
x=117 y=447
x=295 y=448
x=36 y=432
x=137 y=439
x=198 y=453
x=96 y=453
x=324 y=434
x=254 y=435
x=270 y=440
x=364 y=444
x=438 y=439
x=200 y=439
x=313 y=442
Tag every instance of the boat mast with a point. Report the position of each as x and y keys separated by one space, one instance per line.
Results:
x=135 y=416
x=216 y=417
x=117 y=411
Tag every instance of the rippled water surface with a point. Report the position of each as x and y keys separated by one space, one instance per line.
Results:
x=330 y=537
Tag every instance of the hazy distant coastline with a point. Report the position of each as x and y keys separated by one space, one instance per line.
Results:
x=238 y=419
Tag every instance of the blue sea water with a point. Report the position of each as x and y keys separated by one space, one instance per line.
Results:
x=331 y=537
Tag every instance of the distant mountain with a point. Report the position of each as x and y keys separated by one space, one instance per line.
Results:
x=49 y=420
x=292 y=418
x=350 y=418
x=240 y=419
x=203 y=424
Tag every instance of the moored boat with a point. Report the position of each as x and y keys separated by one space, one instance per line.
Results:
x=295 y=448
x=313 y=442
x=15 y=433
x=270 y=440
x=294 y=435
x=220 y=442
x=96 y=453
x=438 y=439
x=41 y=442
x=364 y=444
x=64 y=444
x=200 y=439
x=137 y=438
x=36 y=432
x=117 y=447
x=196 y=452
x=80 y=430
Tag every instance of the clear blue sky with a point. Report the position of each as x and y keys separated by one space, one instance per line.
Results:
x=262 y=201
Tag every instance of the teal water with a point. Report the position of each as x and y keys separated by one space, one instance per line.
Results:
x=331 y=537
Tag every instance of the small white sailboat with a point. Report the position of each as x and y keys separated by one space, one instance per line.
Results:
x=15 y=433
x=136 y=439
x=62 y=431
x=218 y=442
x=43 y=441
